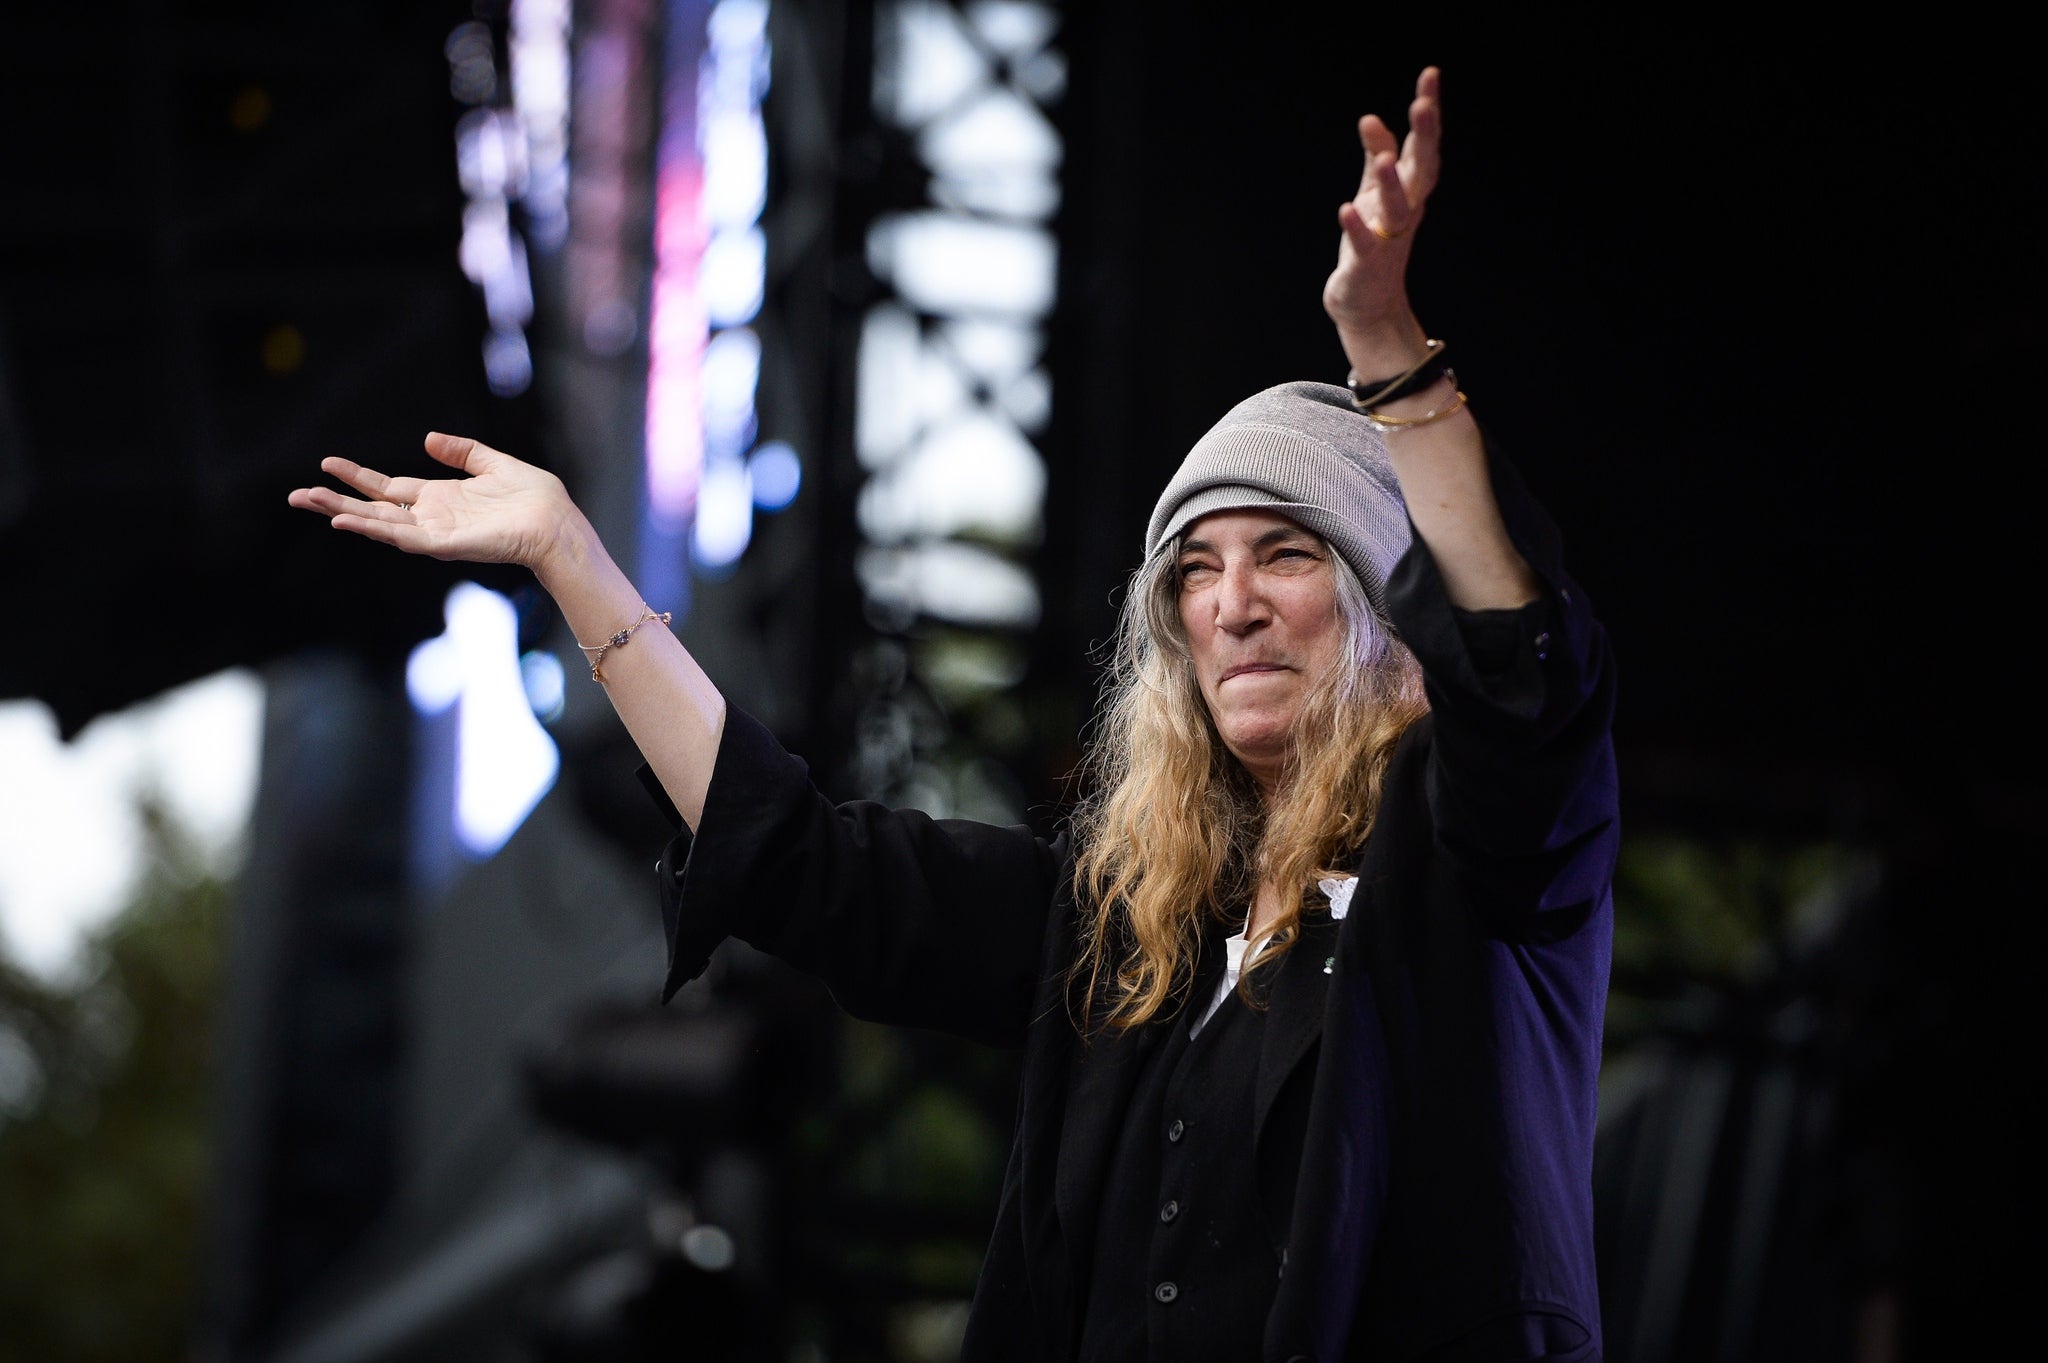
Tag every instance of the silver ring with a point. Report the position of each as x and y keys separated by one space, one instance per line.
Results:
x=403 y=506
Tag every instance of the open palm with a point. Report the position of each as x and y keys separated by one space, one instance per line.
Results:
x=1369 y=284
x=503 y=511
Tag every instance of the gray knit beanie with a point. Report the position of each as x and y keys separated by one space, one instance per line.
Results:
x=1300 y=449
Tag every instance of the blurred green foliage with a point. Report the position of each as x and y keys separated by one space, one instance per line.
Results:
x=905 y=1165
x=105 y=1096
x=1694 y=914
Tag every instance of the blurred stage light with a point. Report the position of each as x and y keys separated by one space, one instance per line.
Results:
x=975 y=474
x=678 y=327
x=1013 y=27
x=433 y=676
x=539 y=46
x=284 y=349
x=885 y=401
x=508 y=363
x=732 y=370
x=472 y=65
x=734 y=275
x=924 y=63
x=710 y=280
x=506 y=154
x=547 y=687
x=953 y=581
x=490 y=156
x=995 y=156
x=710 y=1248
x=504 y=760
x=950 y=263
x=777 y=475
x=725 y=515
x=250 y=110
x=611 y=328
x=950 y=377
x=1042 y=75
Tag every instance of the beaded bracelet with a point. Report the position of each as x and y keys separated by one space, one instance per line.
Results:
x=596 y=652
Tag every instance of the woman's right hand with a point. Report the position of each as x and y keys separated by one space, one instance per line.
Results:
x=504 y=511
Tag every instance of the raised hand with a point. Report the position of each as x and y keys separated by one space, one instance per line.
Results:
x=1368 y=289
x=504 y=511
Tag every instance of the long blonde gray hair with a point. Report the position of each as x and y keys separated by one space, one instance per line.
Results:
x=1173 y=831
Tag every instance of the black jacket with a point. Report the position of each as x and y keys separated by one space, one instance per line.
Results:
x=1443 y=1090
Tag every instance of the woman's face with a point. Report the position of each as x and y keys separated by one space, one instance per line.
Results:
x=1258 y=601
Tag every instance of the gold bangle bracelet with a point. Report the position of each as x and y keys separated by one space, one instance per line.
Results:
x=1387 y=424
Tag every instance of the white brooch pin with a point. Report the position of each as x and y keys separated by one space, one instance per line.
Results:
x=1339 y=890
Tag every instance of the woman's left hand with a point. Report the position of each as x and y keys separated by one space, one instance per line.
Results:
x=1368 y=291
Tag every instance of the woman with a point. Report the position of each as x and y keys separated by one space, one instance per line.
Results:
x=1359 y=715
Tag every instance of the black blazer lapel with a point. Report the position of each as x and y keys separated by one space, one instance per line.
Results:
x=1294 y=1022
x=1294 y=1013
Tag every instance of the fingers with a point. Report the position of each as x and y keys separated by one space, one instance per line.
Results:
x=1377 y=140
x=1385 y=173
x=383 y=522
x=328 y=502
x=1375 y=136
x=459 y=451
x=1398 y=175
x=384 y=512
x=1382 y=212
x=1420 y=155
x=1361 y=237
x=399 y=492
x=1422 y=152
x=369 y=482
x=398 y=535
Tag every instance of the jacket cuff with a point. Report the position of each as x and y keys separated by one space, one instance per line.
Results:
x=1516 y=664
x=752 y=772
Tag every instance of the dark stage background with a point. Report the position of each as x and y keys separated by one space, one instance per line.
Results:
x=1758 y=317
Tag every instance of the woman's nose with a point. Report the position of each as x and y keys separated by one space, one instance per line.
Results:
x=1240 y=605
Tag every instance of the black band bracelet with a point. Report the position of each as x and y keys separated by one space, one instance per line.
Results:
x=1367 y=394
